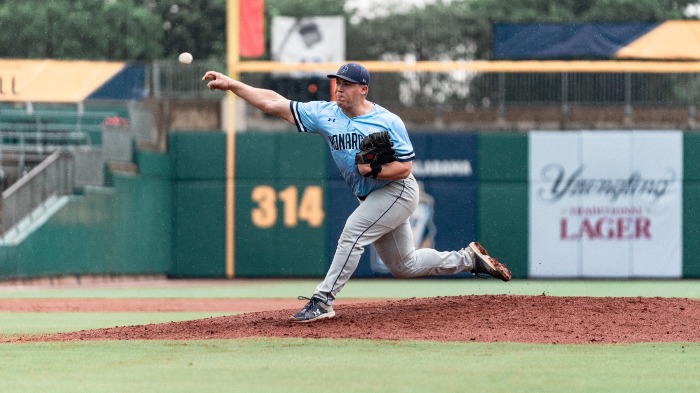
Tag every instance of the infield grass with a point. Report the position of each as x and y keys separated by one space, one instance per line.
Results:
x=29 y=323
x=306 y=366
x=369 y=288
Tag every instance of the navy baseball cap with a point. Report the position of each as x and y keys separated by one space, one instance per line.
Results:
x=352 y=72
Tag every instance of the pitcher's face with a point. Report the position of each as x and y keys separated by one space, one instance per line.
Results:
x=348 y=94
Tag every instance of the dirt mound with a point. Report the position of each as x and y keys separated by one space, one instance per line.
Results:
x=497 y=318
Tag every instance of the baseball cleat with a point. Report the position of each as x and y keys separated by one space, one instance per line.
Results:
x=314 y=310
x=483 y=263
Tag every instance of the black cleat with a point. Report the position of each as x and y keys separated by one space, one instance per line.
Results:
x=314 y=310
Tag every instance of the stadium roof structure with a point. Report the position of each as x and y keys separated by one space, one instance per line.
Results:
x=68 y=81
x=670 y=40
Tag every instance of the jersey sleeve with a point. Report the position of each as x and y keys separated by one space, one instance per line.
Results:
x=306 y=115
x=402 y=143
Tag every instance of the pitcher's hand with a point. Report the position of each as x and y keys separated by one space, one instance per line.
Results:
x=218 y=80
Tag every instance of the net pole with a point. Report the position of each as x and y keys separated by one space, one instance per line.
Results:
x=233 y=60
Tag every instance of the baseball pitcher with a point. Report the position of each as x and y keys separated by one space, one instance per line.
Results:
x=373 y=152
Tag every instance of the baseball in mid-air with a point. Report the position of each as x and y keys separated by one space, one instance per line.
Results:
x=185 y=58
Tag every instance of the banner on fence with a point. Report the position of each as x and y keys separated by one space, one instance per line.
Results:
x=605 y=204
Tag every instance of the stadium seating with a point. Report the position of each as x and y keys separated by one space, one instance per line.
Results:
x=31 y=132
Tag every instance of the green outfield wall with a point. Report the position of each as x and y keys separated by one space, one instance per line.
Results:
x=503 y=191
x=691 y=205
x=280 y=209
x=169 y=217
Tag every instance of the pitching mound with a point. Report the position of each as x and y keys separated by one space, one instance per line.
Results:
x=499 y=318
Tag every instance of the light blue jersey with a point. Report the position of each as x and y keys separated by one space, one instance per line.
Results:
x=343 y=135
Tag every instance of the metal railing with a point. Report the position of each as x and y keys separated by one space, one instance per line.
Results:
x=475 y=99
x=53 y=177
x=459 y=88
x=22 y=148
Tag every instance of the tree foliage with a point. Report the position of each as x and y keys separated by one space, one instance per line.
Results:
x=154 y=29
x=195 y=26
x=84 y=29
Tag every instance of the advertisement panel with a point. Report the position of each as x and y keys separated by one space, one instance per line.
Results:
x=605 y=204
x=308 y=40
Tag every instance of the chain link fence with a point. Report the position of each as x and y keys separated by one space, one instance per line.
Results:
x=464 y=99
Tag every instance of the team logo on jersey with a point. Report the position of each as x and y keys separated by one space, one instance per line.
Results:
x=347 y=141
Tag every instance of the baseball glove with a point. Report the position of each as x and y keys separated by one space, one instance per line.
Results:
x=375 y=150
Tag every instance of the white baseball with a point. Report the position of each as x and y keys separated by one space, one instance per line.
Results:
x=185 y=58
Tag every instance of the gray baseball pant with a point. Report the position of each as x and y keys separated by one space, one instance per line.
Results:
x=382 y=219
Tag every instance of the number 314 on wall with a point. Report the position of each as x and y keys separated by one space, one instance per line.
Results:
x=309 y=208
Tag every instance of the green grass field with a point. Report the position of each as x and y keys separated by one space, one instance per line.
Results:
x=296 y=365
